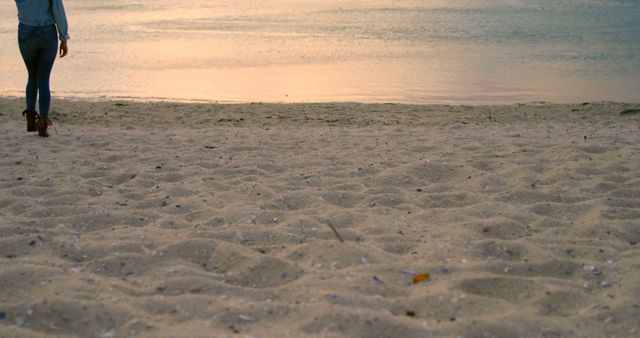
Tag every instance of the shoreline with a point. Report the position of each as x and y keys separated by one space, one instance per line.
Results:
x=196 y=115
x=452 y=102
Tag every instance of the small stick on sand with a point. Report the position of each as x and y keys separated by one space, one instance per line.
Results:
x=334 y=230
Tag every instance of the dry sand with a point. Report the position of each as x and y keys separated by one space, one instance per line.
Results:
x=187 y=220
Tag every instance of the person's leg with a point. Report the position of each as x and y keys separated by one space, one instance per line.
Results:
x=30 y=57
x=46 y=58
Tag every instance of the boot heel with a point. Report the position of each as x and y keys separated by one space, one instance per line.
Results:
x=41 y=126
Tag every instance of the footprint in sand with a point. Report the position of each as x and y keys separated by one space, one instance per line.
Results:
x=447 y=201
x=503 y=250
x=362 y=326
x=58 y=316
x=563 y=303
x=343 y=199
x=291 y=202
x=562 y=269
x=509 y=289
x=266 y=272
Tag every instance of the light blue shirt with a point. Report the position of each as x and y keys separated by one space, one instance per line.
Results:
x=44 y=13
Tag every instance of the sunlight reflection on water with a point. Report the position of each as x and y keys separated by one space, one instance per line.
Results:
x=475 y=51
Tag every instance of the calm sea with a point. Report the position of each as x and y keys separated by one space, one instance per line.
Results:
x=430 y=51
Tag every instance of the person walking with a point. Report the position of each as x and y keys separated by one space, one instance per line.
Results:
x=41 y=24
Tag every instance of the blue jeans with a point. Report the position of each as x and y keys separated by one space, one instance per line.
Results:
x=39 y=48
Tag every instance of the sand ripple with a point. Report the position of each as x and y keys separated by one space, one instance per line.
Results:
x=525 y=217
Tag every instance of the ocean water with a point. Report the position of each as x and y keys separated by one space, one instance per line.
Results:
x=407 y=51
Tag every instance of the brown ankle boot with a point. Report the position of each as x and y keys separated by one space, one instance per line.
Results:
x=41 y=124
x=31 y=119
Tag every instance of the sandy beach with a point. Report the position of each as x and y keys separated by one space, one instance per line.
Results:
x=205 y=220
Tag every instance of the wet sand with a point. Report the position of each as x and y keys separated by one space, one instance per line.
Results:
x=202 y=220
